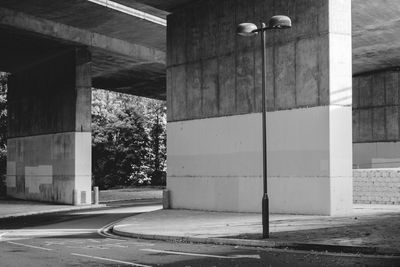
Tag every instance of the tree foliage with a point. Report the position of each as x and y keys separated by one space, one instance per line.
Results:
x=129 y=140
x=3 y=131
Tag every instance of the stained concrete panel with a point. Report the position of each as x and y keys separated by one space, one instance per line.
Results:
x=192 y=38
x=307 y=72
x=378 y=89
x=285 y=75
x=365 y=125
x=392 y=88
x=356 y=93
x=392 y=123
x=178 y=82
x=245 y=82
x=378 y=124
x=356 y=124
x=194 y=89
x=227 y=28
x=226 y=85
x=209 y=88
x=270 y=88
x=378 y=93
x=209 y=27
x=365 y=91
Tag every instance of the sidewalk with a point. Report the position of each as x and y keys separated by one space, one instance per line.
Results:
x=371 y=229
x=15 y=208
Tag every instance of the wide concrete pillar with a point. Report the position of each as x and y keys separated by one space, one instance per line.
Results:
x=214 y=105
x=49 y=138
x=376 y=131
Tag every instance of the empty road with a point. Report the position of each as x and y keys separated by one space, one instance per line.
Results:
x=79 y=239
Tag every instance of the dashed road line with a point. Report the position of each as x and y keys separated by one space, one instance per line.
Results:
x=29 y=246
x=111 y=260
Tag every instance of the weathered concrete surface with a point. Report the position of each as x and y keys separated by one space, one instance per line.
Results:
x=375 y=42
x=49 y=139
x=202 y=60
x=376 y=131
x=376 y=107
x=213 y=92
x=127 y=52
x=375 y=30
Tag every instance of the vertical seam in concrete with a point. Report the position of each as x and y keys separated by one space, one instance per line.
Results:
x=385 y=106
x=217 y=86
x=235 y=55
x=295 y=74
x=273 y=62
x=254 y=63
x=371 y=90
x=186 y=94
x=398 y=104
x=319 y=69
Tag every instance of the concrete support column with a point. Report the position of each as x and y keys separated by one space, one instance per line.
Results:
x=214 y=105
x=49 y=136
x=376 y=131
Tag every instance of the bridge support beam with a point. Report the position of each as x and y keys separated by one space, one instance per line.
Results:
x=214 y=105
x=49 y=138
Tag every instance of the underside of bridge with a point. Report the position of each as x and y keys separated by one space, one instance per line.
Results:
x=57 y=50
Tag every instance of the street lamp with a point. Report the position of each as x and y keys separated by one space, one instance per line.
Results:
x=250 y=29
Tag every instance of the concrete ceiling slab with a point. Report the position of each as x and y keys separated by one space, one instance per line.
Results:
x=376 y=38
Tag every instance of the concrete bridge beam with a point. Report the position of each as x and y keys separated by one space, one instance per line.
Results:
x=214 y=105
x=49 y=133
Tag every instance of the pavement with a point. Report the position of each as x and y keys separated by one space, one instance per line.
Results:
x=15 y=208
x=10 y=208
x=371 y=229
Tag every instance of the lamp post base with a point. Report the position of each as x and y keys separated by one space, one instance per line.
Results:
x=265 y=215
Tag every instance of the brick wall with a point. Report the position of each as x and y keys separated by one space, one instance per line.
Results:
x=376 y=186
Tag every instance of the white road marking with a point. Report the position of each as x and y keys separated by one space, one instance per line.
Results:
x=112 y=260
x=29 y=246
x=201 y=255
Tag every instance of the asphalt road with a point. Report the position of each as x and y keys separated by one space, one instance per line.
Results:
x=78 y=239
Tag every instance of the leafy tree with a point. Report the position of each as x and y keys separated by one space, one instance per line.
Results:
x=3 y=131
x=128 y=140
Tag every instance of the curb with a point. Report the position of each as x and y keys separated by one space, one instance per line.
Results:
x=126 y=200
x=24 y=214
x=278 y=244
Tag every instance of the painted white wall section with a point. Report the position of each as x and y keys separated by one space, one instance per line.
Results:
x=83 y=163
x=11 y=181
x=376 y=155
x=37 y=176
x=50 y=167
x=216 y=163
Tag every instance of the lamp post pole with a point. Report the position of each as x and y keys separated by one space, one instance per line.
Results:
x=265 y=199
x=250 y=29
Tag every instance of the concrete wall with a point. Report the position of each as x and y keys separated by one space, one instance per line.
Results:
x=376 y=132
x=377 y=186
x=214 y=104
x=49 y=140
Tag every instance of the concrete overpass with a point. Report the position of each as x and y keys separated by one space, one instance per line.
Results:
x=56 y=50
